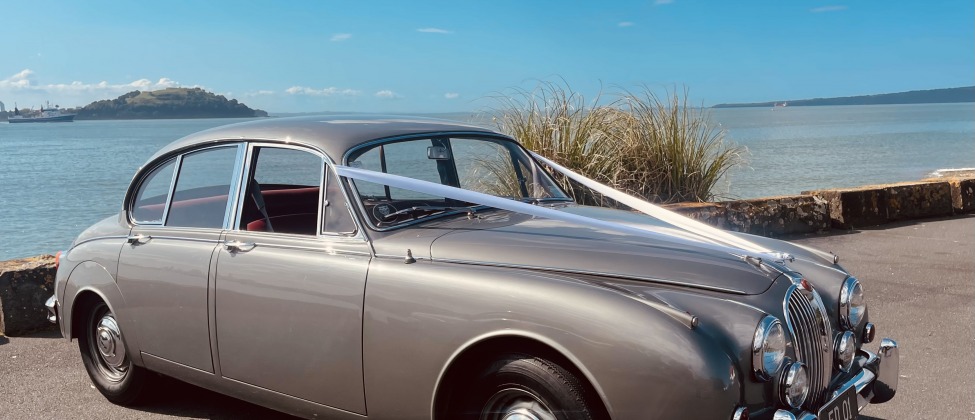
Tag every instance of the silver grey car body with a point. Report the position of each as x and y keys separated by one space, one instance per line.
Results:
x=353 y=316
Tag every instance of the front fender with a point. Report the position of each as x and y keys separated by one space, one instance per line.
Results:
x=642 y=362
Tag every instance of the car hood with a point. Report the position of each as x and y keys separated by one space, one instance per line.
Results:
x=511 y=239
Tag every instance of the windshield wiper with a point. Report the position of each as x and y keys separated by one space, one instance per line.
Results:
x=428 y=209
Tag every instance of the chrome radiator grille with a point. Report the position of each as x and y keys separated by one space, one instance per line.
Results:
x=810 y=328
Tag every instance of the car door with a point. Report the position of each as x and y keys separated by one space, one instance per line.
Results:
x=165 y=268
x=289 y=293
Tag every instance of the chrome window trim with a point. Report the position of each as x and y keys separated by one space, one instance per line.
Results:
x=234 y=192
x=248 y=172
x=248 y=168
x=172 y=190
x=169 y=194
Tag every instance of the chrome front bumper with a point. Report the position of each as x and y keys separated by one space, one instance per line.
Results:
x=875 y=383
x=52 y=309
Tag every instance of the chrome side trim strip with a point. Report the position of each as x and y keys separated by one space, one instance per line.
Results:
x=311 y=248
x=98 y=238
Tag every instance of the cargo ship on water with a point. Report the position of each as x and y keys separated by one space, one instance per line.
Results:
x=42 y=116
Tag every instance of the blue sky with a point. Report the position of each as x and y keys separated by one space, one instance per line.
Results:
x=447 y=56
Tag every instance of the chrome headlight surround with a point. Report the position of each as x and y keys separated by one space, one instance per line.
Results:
x=794 y=385
x=845 y=347
x=852 y=304
x=768 y=348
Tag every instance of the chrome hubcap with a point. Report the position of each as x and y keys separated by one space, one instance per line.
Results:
x=109 y=347
x=515 y=404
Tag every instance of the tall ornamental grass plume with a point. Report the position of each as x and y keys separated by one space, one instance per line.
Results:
x=658 y=148
x=671 y=151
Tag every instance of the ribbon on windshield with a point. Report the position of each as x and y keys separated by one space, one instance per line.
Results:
x=440 y=190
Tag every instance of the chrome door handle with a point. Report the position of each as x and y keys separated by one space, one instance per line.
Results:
x=238 y=246
x=138 y=239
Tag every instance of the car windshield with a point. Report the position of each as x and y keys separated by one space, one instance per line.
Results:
x=492 y=166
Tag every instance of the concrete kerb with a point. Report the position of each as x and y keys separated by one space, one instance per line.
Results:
x=25 y=284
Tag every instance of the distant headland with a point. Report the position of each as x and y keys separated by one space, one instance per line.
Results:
x=933 y=96
x=168 y=103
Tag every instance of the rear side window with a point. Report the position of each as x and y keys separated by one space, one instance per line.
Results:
x=203 y=188
x=283 y=195
x=150 y=201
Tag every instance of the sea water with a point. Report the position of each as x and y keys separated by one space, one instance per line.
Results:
x=57 y=179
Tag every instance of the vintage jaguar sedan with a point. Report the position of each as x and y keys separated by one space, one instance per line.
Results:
x=407 y=268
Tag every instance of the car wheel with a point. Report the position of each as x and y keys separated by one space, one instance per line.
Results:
x=105 y=358
x=523 y=387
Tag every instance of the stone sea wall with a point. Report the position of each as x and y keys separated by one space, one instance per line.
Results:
x=852 y=208
x=25 y=284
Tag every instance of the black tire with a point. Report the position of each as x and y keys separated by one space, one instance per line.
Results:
x=532 y=386
x=118 y=379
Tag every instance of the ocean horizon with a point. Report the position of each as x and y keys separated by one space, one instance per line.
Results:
x=57 y=179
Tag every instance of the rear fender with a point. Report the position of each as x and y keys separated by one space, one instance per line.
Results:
x=90 y=277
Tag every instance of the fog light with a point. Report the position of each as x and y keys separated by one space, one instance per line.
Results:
x=794 y=385
x=845 y=348
x=869 y=331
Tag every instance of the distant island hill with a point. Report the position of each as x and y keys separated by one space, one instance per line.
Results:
x=161 y=104
x=933 y=96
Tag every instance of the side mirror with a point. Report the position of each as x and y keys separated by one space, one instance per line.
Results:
x=438 y=153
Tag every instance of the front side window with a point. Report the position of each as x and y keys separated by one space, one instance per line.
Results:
x=203 y=188
x=492 y=166
x=150 y=201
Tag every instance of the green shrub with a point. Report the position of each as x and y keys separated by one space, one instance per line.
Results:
x=661 y=149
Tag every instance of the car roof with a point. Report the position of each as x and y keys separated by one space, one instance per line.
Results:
x=332 y=134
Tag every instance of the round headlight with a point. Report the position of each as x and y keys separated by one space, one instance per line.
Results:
x=845 y=347
x=768 y=348
x=794 y=385
x=852 y=304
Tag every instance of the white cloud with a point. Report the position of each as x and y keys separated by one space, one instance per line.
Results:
x=825 y=9
x=329 y=91
x=340 y=37
x=18 y=81
x=258 y=93
x=24 y=81
x=387 y=94
x=662 y=2
x=451 y=95
x=624 y=24
x=434 y=31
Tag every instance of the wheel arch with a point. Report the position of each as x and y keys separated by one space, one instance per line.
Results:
x=480 y=351
x=90 y=281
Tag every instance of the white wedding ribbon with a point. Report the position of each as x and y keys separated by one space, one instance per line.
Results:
x=446 y=191
x=657 y=212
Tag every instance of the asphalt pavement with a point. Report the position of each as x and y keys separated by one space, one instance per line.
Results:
x=919 y=279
